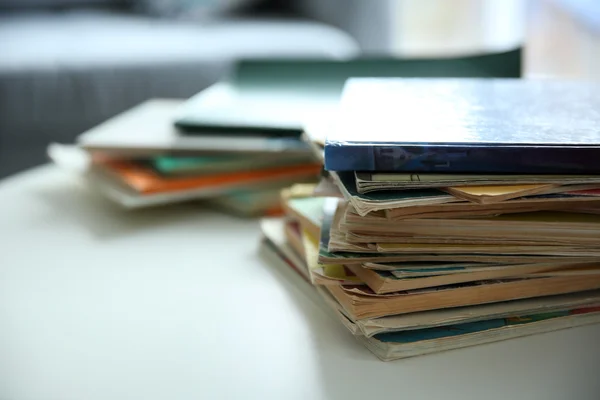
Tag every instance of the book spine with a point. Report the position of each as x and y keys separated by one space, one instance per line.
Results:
x=464 y=159
x=350 y=158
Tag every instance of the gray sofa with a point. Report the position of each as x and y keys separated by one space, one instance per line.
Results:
x=66 y=65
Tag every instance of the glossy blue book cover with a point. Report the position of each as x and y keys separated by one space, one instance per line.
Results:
x=466 y=125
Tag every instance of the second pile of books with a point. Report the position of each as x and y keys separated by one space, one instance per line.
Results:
x=140 y=158
x=448 y=248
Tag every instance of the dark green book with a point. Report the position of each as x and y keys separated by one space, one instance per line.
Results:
x=277 y=97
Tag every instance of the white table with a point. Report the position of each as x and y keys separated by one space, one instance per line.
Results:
x=98 y=303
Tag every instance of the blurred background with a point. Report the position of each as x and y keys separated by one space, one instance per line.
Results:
x=67 y=65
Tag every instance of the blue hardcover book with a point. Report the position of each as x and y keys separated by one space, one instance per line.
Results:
x=466 y=126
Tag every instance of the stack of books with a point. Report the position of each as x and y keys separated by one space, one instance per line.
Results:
x=140 y=158
x=237 y=143
x=455 y=212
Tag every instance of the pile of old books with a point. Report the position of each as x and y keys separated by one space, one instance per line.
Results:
x=141 y=158
x=453 y=212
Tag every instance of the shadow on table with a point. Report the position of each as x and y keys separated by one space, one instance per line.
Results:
x=335 y=345
x=75 y=203
x=348 y=370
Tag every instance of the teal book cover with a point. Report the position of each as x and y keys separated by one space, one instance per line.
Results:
x=200 y=165
x=417 y=335
x=168 y=165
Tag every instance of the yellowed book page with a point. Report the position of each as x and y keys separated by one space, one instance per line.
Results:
x=324 y=274
x=491 y=194
x=476 y=248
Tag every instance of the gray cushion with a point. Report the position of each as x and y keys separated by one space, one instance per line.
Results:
x=62 y=73
x=23 y=4
x=191 y=8
x=80 y=40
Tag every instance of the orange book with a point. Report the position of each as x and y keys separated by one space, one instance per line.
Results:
x=144 y=180
x=276 y=211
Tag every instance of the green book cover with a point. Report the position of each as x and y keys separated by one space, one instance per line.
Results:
x=169 y=165
x=276 y=97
